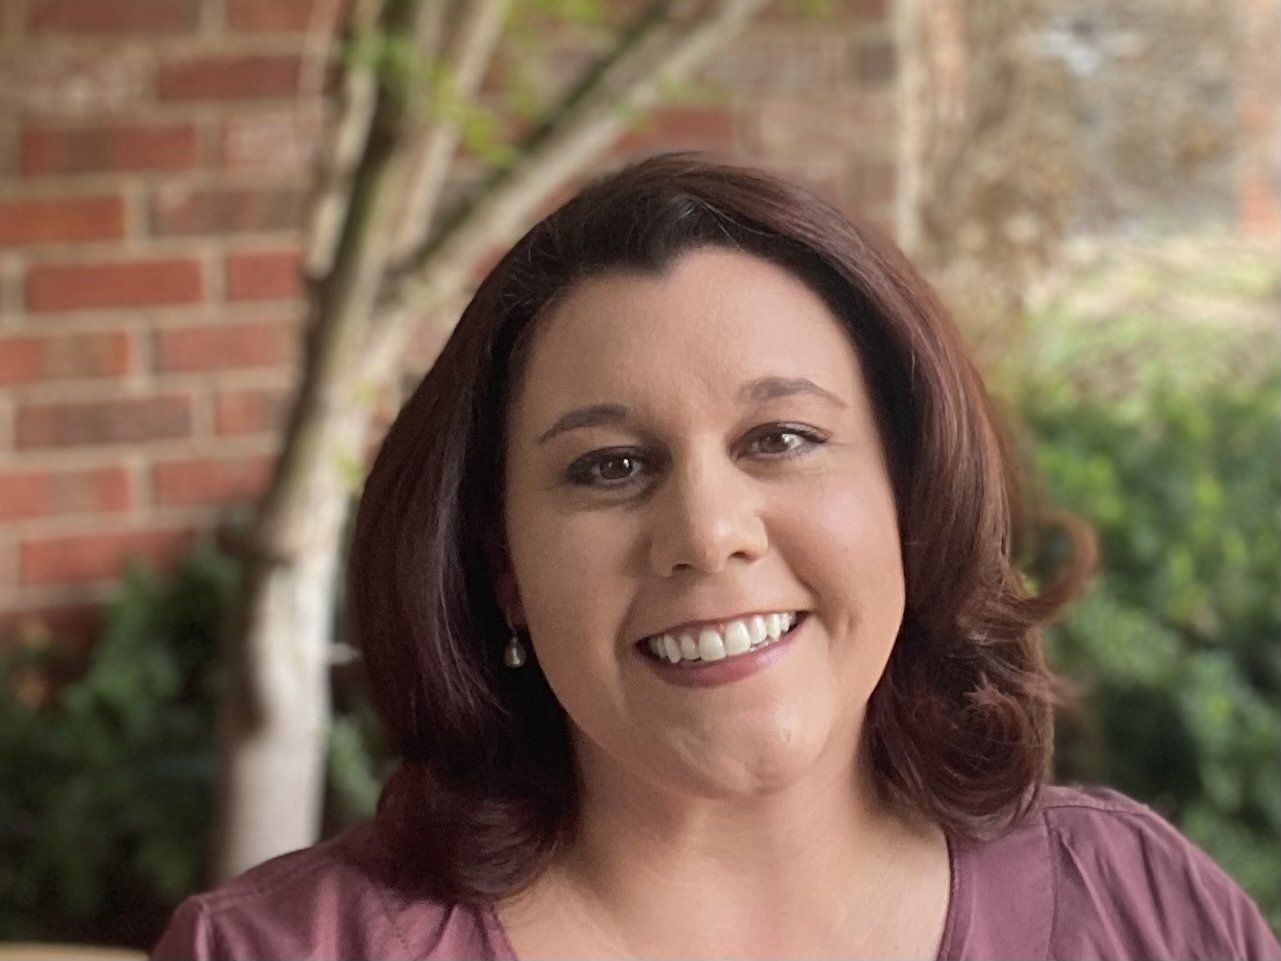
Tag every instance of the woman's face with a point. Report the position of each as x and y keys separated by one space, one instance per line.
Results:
x=686 y=451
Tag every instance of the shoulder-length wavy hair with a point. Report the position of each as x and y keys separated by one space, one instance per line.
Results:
x=959 y=728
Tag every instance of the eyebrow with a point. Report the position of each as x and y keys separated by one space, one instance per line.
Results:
x=757 y=391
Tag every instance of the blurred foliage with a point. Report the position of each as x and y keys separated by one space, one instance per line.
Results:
x=109 y=777
x=1163 y=432
x=105 y=810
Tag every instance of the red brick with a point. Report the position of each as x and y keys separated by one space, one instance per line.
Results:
x=209 y=480
x=681 y=129
x=263 y=275
x=72 y=150
x=185 y=211
x=21 y=359
x=61 y=218
x=270 y=15
x=76 y=82
x=113 y=16
x=249 y=411
x=83 y=558
x=230 y=77
x=273 y=140
x=222 y=346
x=27 y=358
x=128 y=420
x=139 y=283
x=38 y=493
x=1258 y=210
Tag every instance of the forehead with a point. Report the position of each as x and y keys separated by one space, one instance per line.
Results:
x=714 y=320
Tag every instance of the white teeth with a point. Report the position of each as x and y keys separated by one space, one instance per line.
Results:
x=737 y=638
x=671 y=648
x=710 y=645
x=772 y=626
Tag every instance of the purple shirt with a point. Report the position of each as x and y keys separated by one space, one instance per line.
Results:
x=1090 y=875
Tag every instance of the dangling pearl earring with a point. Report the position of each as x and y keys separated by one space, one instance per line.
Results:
x=514 y=654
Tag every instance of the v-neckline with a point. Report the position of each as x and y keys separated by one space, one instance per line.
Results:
x=956 y=868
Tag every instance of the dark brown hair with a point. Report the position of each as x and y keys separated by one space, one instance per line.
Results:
x=960 y=726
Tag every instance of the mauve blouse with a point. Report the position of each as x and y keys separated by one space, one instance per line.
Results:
x=1091 y=874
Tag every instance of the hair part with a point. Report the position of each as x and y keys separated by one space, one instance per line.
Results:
x=960 y=727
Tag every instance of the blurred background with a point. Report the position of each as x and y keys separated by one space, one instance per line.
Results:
x=233 y=232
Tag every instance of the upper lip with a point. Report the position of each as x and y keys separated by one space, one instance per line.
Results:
x=699 y=623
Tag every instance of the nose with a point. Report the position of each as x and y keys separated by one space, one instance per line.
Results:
x=706 y=514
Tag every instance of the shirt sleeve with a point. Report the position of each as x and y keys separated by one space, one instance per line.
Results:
x=1130 y=885
x=188 y=937
x=1242 y=923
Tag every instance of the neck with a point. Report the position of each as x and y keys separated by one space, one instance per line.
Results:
x=755 y=876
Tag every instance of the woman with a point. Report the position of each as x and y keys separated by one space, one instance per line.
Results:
x=685 y=591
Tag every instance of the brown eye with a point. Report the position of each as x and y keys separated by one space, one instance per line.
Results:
x=606 y=469
x=781 y=442
x=617 y=468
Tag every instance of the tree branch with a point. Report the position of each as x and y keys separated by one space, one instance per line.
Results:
x=657 y=54
x=361 y=203
x=472 y=50
x=333 y=194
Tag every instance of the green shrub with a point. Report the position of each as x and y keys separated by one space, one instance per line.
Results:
x=1176 y=640
x=105 y=813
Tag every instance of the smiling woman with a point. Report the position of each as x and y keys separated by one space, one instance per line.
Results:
x=685 y=582
x=734 y=494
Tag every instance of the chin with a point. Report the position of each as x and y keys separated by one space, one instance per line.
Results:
x=762 y=760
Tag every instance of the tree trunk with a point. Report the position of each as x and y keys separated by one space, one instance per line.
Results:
x=380 y=280
x=275 y=716
x=273 y=738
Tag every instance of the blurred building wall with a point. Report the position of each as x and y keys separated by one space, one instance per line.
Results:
x=155 y=157
x=1258 y=114
x=1176 y=106
x=154 y=164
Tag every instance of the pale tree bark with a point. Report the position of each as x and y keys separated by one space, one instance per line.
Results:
x=381 y=259
x=988 y=160
x=910 y=98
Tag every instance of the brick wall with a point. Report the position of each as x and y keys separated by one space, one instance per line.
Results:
x=154 y=160
x=1175 y=112
x=154 y=156
x=1258 y=103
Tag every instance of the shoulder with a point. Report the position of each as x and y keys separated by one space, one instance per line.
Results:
x=1125 y=883
x=326 y=901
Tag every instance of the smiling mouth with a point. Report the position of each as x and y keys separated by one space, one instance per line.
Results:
x=709 y=645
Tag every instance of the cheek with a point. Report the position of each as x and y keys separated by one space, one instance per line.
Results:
x=569 y=572
x=845 y=546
